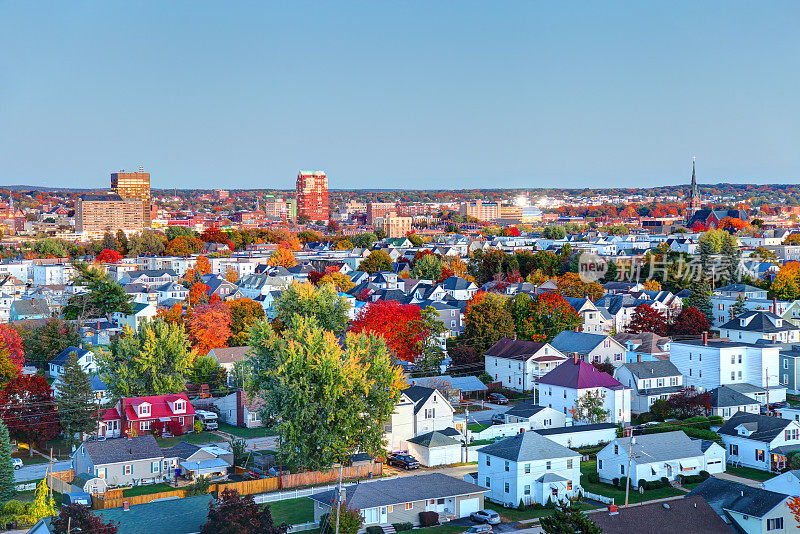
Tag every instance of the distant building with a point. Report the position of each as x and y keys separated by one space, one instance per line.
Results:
x=694 y=204
x=376 y=210
x=94 y=214
x=312 y=195
x=221 y=194
x=280 y=208
x=483 y=211
x=134 y=186
x=396 y=226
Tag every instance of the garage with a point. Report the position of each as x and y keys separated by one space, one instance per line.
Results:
x=435 y=448
x=467 y=506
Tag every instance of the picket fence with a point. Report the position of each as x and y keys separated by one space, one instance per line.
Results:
x=599 y=498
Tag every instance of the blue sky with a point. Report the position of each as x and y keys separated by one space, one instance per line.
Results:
x=398 y=94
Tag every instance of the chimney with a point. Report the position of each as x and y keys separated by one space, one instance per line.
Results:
x=575 y=358
x=705 y=338
x=775 y=305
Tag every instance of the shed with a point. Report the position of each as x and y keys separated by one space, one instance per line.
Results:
x=88 y=483
x=435 y=448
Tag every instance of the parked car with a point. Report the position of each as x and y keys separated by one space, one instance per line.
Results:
x=498 y=419
x=17 y=462
x=479 y=529
x=490 y=517
x=497 y=398
x=406 y=461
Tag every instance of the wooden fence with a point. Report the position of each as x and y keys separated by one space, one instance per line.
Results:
x=114 y=498
x=61 y=481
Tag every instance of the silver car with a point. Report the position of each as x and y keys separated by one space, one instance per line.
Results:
x=490 y=517
x=479 y=529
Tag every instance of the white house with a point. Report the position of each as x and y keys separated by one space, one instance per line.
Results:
x=574 y=379
x=720 y=307
x=528 y=468
x=759 y=441
x=649 y=381
x=141 y=312
x=419 y=411
x=753 y=326
x=654 y=456
x=537 y=416
x=435 y=448
x=590 y=347
x=85 y=360
x=239 y=409
x=787 y=483
x=518 y=363
x=726 y=402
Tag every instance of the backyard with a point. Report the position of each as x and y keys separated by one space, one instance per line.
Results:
x=292 y=511
x=241 y=432
x=618 y=494
x=196 y=438
x=511 y=515
x=147 y=489
x=749 y=472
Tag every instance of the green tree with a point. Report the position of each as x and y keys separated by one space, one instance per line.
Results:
x=147 y=243
x=363 y=240
x=415 y=240
x=428 y=267
x=732 y=256
x=554 y=232
x=737 y=308
x=155 y=360
x=206 y=370
x=487 y=320
x=329 y=401
x=568 y=518
x=350 y=521
x=706 y=251
x=77 y=405
x=589 y=408
x=377 y=261
x=380 y=233
x=700 y=298
x=611 y=272
x=430 y=350
x=104 y=296
x=122 y=239
x=7 y=482
x=715 y=239
x=322 y=303
x=43 y=342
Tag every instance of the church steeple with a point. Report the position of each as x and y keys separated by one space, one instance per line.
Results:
x=694 y=182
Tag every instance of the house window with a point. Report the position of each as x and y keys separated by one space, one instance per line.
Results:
x=506 y=487
x=144 y=409
x=549 y=465
x=555 y=492
x=430 y=413
x=569 y=464
x=166 y=465
x=154 y=467
x=621 y=469
x=569 y=485
x=126 y=469
x=733 y=375
x=673 y=381
x=409 y=505
x=775 y=523
x=488 y=483
x=526 y=490
x=179 y=406
x=371 y=515
x=759 y=455
x=488 y=461
x=181 y=420
x=144 y=425
x=100 y=472
x=740 y=356
x=599 y=464
x=785 y=364
x=506 y=466
x=616 y=449
x=527 y=469
x=733 y=358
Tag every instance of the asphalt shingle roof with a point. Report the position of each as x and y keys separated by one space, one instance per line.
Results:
x=660 y=447
x=766 y=428
x=652 y=369
x=514 y=349
x=726 y=495
x=177 y=516
x=690 y=515
x=123 y=450
x=525 y=409
x=579 y=375
x=723 y=396
x=527 y=446
x=434 y=439
x=580 y=342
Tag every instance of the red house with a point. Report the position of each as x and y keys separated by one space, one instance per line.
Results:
x=135 y=416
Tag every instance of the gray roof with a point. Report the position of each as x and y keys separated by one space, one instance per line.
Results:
x=180 y=450
x=723 y=396
x=461 y=383
x=580 y=342
x=574 y=428
x=551 y=477
x=400 y=490
x=418 y=395
x=176 y=516
x=527 y=446
x=690 y=515
x=726 y=495
x=764 y=428
x=434 y=439
x=758 y=321
x=113 y=451
x=660 y=447
x=653 y=369
x=525 y=409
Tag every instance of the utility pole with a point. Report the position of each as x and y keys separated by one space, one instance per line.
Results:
x=51 y=472
x=630 y=457
x=766 y=381
x=339 y=498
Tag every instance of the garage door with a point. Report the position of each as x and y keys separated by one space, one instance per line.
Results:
x=468 y=506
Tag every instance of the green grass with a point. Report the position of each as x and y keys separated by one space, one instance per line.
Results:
x=749 y=472
x=292 y=511
x=29 y=460
x=246 y=433
x=691 y=486
x=441 y=529
x=477 y=427
x=147 y=489
x=618 y=494
x=513 y=514
x=202 y=437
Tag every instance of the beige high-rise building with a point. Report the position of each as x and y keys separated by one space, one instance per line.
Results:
x=483 y=211
x=95 y=214
x=396 y=226
x=134 y=185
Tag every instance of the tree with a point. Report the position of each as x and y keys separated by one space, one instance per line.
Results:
x=700 y=298
x=645 y=318
x=689 y=403
x=76 y=401
x=43 y=342
x=415 y=239
x=210 y=326
x=28 y=410
x=340 y=281
x=108 y=255
x=571 y=285
x=737 y=308
x=542 y=317
x=282 y=257
x=395 y=322
x=244 y=314
x=652 y=285
x=80 y=519
x=714 y=238
x=350 y=520
x=689 y=322
x=122 y=239
x=554 y=232
x=11 y=343
x=786 y=285
x=377 y=261
x=611 y=271
x=329 y=401
x=173 y=315
x=104 y=296
x=732 y=257
x=365 y=240
x=231 y=275
x=344 y=244
x=198 y=293
x=8 y=485
x=589 y=408
x=323 y=303
x=568 y=518
x=465 y=355
x=154 y=360
x=428 y=267
x=233 y=513
x=486 y=321
x=147 y=243
x=206 y=370
x=43 y=505
x=8 y=370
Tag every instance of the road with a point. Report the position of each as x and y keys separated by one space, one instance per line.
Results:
x=485 y=416
x=31 y=472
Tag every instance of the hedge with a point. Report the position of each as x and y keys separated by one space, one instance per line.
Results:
x=400 y=527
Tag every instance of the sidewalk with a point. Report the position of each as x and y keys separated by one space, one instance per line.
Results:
x=734 y=478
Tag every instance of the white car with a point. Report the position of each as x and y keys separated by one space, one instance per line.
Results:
x=17 y=462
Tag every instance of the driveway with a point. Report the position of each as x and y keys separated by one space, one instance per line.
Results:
x=28 y=473
x=485 y=416
x=466 y=522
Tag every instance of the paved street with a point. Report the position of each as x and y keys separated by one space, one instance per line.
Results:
x=28 y=473
x=485 y=416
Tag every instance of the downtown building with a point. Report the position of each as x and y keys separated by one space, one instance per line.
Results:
x=95 y=214
x=134 y=186
x=312 y=195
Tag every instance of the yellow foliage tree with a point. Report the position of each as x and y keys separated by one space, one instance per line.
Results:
x=231 y=275
x=282 y=257
x=652 y=285
x=340 y=281
x=786 y=285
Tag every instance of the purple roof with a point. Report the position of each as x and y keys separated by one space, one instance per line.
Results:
x=579 y=376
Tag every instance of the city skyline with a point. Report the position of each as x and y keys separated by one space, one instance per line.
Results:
x=523 y=95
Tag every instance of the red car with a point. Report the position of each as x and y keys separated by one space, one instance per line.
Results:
x=497 y=398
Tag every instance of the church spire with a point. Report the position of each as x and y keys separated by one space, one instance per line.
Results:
x=694 y=181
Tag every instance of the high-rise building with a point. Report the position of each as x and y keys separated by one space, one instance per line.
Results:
x=378 y=209
x=136 y=186
x=395 y=225
x=94 y=214
x=483 y=211
x=312 y=195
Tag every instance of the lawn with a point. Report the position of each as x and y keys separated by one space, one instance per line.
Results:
x=246 y=433
x=202 y=437
x=618 y=494
x=513 y=514
x=292 y=511
x=477 y=427
x=749 y=472
x=147 y=489
x=27 y=459
x=440 y=529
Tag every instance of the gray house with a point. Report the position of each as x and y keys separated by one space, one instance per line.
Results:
x=122 y=462
x=402 y=499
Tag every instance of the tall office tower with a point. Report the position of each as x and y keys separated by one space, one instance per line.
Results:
x=312 y=195
x=95 y=214
x=134 y=185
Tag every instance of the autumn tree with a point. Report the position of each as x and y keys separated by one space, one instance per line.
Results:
x=154 y=360
x=652 y=285
x=377 y=261
x=344 y=244
x=395 y=322
x=42 y=342
x=233 y=513
x=323 y=303
x=231 y=275
x=571 y=285
x=77 y=404
x=486 y=321
x=210 y=326
x=282 y=257
x=109 y=256
x=330 y=401
x=198 y=293
x=244 y=314
x=542 y=317
x=12 y=345
x=689 y=322
x=74 y=518
x=172 y=315
x=589 y=408
x=147 y=243
x=428 y=267
x=645 y=318
x=340 y=281
x=28 y=410
x=786 y=285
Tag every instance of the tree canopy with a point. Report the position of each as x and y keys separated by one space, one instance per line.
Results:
x=323 y=303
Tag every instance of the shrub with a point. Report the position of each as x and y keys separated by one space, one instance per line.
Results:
x=615 y=481
x=550 y=505
x=175 y=428
x=705 y=474
x=716 y=420
x=400 y=527
x=428 y=519
x=622 y=482
x=521 y=505
x=593 y=477
x=642 y=484
x=198 y=427
x=374 y=529
x=198 y=487
x=665 y=481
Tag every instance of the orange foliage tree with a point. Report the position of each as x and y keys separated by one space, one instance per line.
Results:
x=173 y=315
x=210 y=326
x=231 y=275
x=198 y=293
x=397 y=323
x=282 y=257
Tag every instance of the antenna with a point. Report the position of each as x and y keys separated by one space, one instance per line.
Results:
x=141 y=169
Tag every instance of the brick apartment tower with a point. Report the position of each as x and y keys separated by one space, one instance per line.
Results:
x=134 y=185
x=312 y=195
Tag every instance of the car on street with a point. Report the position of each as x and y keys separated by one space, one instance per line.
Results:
x=490 y=517
x=405 y=461
x=497 y=398
x=479 y=529
x=17 y=462
x=498 y=419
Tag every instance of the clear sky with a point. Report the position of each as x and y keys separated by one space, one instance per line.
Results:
x=394 y=94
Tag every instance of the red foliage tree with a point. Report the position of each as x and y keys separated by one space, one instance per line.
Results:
x=175 y=428
x=108 y=255
x=198 y=293
x=233 y=513
x=648 y=319
x=315 y=276
x=210 y=326
x=689 y=403
x=690 y=322
x=79 y=518
x=12 y=342
x=28 y=410
x=397 y=323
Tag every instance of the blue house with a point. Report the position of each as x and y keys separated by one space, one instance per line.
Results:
x=23 y=310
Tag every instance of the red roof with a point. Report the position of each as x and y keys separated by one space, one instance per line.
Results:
x=579 y=376
x=159 y=406
x=110 y=415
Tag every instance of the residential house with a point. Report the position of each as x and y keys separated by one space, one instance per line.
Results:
x=721 y=305
x=726 y=402
x=754 y=326
x=580 y=435
x=121 y=462
x=85 y=360
x=171 y=291
x=649 y=381
x=787 y=483
x=455 y=388
x=654 y=456
x=435 y=448
x=149 y=277
x=400 y=500
x=644 y=346
x=227 y=357
x=459 y=288
x=140 y=313
x=23 y=310
x=590 y=347
x=239 y=409
x=528 y=468
x=133 y=416
x=562 y=388
x=592 y=319
x=537 y=416
x=690 y=515
x=206 y=461
x=744 y=291
x=517 y=363
x=759 y=441
x=790 y=368
x=419 y=411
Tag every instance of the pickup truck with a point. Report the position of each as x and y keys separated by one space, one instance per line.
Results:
x=406 y=461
